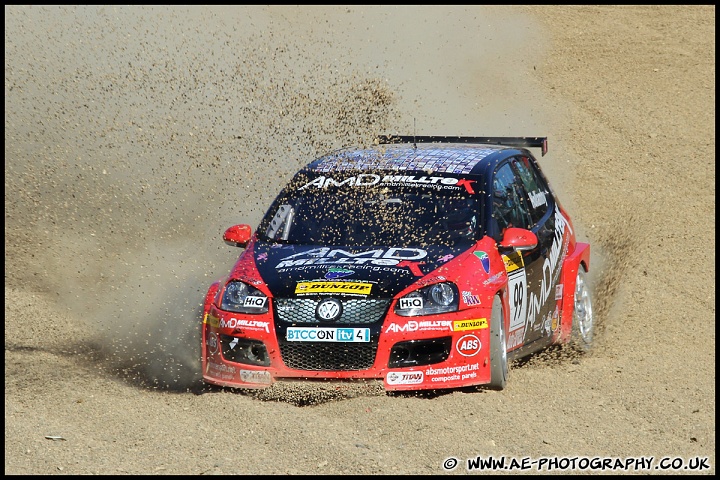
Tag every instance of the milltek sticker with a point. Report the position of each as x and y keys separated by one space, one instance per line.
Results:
x=328 y=334
x=461 y=325
x=333 y=287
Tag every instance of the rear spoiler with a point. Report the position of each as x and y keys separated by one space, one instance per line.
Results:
x=527 y=142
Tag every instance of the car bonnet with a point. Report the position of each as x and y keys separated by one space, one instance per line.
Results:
x=372 y=272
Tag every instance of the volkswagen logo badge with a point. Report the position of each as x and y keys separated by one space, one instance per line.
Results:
x=329 y=310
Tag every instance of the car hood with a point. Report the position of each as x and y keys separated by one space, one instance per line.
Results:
x=375 y=272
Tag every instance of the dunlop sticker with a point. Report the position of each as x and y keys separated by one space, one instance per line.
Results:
x=211 y=320
x=476 y=324
x=333 y=287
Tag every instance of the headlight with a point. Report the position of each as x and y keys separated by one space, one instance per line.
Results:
x=437 y=298
x=242 y=298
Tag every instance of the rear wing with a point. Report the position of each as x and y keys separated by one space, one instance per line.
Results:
x=524 y=142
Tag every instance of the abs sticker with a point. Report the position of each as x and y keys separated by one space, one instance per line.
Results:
x=468 y=345
x=212 y=342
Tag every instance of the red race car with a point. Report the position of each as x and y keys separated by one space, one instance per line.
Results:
x=426 y=262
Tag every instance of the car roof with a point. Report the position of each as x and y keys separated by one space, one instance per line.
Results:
x=450 y=155
x=426 y=158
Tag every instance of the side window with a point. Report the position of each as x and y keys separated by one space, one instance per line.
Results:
x=510 y=208
x=537 y=192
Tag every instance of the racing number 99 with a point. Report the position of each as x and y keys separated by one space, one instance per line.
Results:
x=517 y=295
x=518 y=302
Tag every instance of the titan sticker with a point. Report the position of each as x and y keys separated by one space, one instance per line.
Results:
x=404 y=378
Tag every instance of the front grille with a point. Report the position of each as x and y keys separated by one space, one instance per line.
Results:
x=328 y=356
x=355 y=311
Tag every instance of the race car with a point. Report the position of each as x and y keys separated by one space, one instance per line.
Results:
x=426 y=262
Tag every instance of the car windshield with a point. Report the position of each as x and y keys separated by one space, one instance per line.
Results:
x=372 y=218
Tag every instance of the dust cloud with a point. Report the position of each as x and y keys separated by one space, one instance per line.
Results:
x=136 y=135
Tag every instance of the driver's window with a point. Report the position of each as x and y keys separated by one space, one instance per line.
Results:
x=509 y=208
x=538 y=193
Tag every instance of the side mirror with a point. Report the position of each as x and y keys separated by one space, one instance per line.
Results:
x=519 y=239
x=238 y=235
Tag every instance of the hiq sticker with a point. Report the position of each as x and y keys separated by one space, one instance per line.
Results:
x=413 y=302
x=254 y=301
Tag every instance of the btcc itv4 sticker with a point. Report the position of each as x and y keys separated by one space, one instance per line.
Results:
x=297 y=334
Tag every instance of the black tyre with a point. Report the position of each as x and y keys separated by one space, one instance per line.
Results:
x=498 y=347
x=583 y=325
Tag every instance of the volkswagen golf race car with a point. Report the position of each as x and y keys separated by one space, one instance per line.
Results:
x=425 y=262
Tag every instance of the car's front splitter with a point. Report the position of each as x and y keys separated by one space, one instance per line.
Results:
x=407 y=354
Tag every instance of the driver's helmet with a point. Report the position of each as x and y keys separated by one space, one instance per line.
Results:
x=461 y=217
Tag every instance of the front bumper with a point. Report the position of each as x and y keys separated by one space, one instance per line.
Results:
x=406 y=353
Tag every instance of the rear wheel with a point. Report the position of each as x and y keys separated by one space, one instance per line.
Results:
x=583 y=325
x=498 y=347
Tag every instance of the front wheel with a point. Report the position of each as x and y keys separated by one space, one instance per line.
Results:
x=583 y=325
x=498 y=347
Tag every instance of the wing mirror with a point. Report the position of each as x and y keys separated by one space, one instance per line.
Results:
x=519 y=239
x=238 y=235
